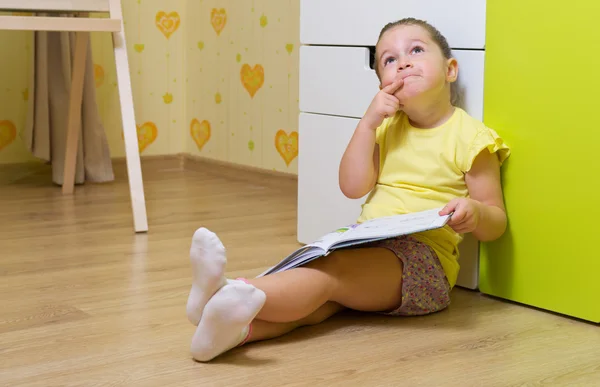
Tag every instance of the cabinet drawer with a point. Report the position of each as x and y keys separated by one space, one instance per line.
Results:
x=339 y=81
x=336 y=80
x=322 y=207
x=358 y=23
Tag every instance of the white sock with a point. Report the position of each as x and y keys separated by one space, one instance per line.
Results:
x=207 y=255
x=226 y=319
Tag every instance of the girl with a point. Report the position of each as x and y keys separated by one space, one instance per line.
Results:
x=413 y=150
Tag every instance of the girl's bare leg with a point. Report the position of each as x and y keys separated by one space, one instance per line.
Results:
x=264 y=330
x=366 y=279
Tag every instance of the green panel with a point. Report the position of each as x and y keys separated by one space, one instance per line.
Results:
x=542 y=81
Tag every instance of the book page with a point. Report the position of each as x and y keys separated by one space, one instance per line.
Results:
x=330 y=239
x=301 y=256
x=396 y=225
x=356 y=234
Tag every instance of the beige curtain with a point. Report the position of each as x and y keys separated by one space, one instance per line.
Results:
x=45 y=129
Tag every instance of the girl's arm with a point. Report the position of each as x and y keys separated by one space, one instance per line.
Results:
x=484 y=213
x=359 y=167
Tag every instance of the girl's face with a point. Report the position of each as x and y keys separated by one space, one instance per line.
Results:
x=409 y=53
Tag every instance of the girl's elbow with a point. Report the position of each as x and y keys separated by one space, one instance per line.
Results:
x=352 y=194
x=348 y=192
x=352 y=185
x=352 y=191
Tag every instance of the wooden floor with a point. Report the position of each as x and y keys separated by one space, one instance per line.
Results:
x=86 y=302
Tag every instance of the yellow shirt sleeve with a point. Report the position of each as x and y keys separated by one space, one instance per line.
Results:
x=476 y=139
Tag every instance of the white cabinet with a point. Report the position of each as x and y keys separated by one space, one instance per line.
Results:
x=357 y=23
x=322 y=207
x=337 y=85
x=336 y=80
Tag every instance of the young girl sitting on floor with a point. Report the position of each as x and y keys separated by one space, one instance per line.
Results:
x=413 y=150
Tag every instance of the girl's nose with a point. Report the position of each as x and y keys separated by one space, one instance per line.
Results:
x=403 y=65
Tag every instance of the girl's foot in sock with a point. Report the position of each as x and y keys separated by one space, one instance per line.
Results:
x=208 y=259
x=226 y=320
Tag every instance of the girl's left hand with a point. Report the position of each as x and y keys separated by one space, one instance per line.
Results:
x=467 y=213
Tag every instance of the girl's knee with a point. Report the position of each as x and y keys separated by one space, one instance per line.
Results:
x=330 y=264
x=348 y=263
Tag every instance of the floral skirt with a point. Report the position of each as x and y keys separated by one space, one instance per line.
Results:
x=425 y=288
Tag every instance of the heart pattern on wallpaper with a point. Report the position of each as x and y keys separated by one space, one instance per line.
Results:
x=168 y=98
x=139 y=47
x=167 y=23
x=218 y=19
x=252 y=78
x=287 y=145
x=264 y=21
x=200 y=132
x=8 y=133
x=98 y=75
x=146 y=133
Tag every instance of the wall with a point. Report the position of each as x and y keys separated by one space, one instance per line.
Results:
x=242 y=60
x=155 y=46
x=215 y=78
x=157 y=65
x=13 y=95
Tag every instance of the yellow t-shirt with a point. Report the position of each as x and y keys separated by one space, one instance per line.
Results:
x=422 y=169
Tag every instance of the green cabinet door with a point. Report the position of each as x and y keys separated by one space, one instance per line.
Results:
x=542 y=94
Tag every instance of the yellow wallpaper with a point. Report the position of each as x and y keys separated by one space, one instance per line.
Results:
x=13 y=95
x=216 y=78
x=242 y=69
x=157 y=67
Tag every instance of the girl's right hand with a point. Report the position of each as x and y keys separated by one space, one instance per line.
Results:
x=384 y=105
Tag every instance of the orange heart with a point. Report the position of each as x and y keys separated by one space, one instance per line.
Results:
x=200 y=132
x=218 y=19
x=98 y=75
x=252 y=78
x=167 y=23
x=287 y=146
x=8 y=133
x=146 y=133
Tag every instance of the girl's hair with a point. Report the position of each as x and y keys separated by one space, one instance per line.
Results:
x=436 y=36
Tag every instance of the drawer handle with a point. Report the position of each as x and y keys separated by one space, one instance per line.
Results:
x=372 y=57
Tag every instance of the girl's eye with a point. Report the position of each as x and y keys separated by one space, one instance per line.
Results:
x=387 y=60
x=417 y=50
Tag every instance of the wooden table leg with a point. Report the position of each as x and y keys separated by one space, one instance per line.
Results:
x=132 y=153
x=74 y=121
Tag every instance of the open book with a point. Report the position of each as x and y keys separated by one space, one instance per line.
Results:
x=357 y=234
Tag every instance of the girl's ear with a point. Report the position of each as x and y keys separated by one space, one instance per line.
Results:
x=452 y=70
